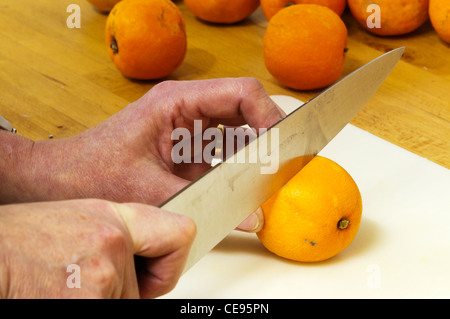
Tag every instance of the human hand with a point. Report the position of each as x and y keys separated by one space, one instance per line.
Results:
x=127 y=158
x=39 y=241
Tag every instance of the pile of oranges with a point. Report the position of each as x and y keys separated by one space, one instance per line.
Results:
x=305 y=43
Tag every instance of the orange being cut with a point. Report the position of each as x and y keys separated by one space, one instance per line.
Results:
x=315 y=215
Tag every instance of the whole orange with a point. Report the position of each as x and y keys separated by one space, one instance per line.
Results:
x=222 y=11
x=270 y=7
x=397 y=17
x=304 y=46
x=146 y=39
x=440 y=18
x=315 y=215
x=103 y=5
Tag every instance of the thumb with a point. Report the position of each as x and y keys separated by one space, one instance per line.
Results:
x=253 y=223
x=163 y=239
x=155 y=232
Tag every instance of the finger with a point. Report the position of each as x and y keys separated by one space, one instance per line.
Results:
x=235 y=101
x=159 y=276
x=155 y=232
x=253 y=223
x=190 y=171
x=164 y=239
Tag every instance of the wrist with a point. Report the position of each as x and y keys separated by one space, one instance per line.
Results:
x=31 y=171
x=50 y=172
x=15 y=152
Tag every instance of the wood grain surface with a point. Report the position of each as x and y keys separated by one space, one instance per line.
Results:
x=57 y=81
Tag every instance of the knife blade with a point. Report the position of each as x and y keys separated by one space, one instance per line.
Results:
x=219 y=200
x=5 y=125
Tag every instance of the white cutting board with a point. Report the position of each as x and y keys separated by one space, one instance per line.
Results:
x=402 y=249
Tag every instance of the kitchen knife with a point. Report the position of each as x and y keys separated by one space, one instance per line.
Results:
x=5 y=125
x=219 y=200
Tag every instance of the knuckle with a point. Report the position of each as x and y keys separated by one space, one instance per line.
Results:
x=163 y=86
x=251 y=85
x=110 y=236
x=189 y=229
x=101 y=277
x=105 y=274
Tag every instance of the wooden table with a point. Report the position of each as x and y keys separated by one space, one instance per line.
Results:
x=59 y=81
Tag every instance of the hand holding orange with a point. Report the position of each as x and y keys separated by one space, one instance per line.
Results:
x=315 y=215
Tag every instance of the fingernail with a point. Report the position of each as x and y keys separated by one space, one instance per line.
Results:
x=253 y=223
x=259 y=219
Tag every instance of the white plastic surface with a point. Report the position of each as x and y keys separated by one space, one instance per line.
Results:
x=402 y=249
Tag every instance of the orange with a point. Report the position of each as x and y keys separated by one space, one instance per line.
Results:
x=270 y=7
x=222 y=11
x=146 y=39
x=315 y=215
x=397 y=16
x=304 y=46
x=440 y=18
x=103 y=5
